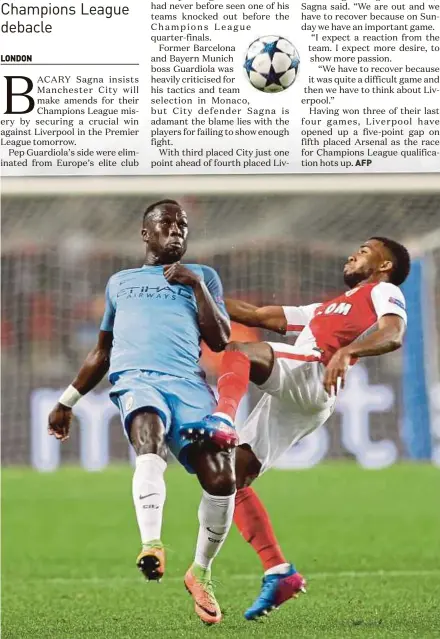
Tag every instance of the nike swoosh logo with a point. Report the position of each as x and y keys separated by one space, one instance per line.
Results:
x=149 y=495
x=211 y=613
x=214 y=532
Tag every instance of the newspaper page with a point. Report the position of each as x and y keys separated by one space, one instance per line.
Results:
x=212 y=87
x=168 y=166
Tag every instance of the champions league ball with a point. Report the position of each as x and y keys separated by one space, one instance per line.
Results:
x=271 y=64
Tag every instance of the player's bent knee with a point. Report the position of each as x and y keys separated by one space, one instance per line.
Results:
x=261 y=357
x=235 y=346
x=220 y=485
x=215 y=471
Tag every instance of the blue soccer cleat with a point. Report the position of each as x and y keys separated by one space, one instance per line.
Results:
x=275 y=590
x=212 y=428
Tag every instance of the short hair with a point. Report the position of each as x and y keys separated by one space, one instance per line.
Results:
x=157 y=205
x=400 y=258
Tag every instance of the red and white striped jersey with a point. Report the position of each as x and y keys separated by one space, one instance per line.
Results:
x=324 y=328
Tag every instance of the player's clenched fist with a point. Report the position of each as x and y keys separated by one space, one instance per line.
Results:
x=336 y=370
x=178 y=274
x=59 y=422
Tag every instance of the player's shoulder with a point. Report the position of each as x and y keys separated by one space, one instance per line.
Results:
x=207 y=272
x=386 y=293
x=386 y=289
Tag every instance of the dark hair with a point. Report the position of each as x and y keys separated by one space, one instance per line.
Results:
x=400 y=258
x=157 y=205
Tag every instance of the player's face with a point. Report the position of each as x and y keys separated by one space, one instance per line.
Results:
x=370 y=259
x=166 y=234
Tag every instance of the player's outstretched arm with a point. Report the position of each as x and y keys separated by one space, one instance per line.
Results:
x=387 y=338
x=271 y=318
x=91 y=373
x=214 y=325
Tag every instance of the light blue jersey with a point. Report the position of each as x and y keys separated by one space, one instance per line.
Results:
x=154 y=323
x=154 y=362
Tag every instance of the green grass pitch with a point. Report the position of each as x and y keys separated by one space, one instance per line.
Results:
x=368 y=542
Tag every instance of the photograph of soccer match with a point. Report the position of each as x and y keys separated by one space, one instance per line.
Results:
x=231 y=395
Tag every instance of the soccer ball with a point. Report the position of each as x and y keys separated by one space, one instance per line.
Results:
x=271 y=64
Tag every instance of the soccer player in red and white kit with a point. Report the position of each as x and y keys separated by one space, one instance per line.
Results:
x=300 y=385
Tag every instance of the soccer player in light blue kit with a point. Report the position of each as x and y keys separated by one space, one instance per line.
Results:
x=155 y=317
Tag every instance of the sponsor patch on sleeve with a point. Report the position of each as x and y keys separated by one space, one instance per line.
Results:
x=399 y=303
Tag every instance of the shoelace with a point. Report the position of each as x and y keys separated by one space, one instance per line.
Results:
x=209 y=589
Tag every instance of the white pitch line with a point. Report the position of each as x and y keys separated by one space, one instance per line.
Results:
x=243 y=577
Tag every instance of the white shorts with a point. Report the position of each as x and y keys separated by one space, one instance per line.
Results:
x=294 y=404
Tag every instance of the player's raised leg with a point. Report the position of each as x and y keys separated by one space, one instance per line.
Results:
x=147 y=435
x=215 y=471
x=241 y=362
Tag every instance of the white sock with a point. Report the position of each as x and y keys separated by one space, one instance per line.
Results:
x=215 y=517
x=149 y=495
x=225 y=417
x=281 y=569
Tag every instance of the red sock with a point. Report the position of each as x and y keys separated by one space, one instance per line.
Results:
x=232 y=382
x=252 y=520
